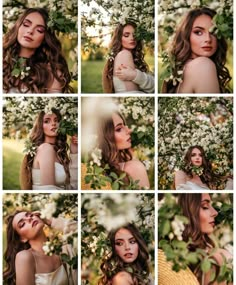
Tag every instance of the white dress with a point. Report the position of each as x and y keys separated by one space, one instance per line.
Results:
x=60 y=178
x=191 y=186
x=57 y=277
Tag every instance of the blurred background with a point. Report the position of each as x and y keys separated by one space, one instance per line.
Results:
x=98 y=21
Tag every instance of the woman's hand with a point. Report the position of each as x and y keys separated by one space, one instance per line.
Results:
x=126 y=73
x=74 y=144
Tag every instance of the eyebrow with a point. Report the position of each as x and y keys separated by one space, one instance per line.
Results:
x=27 y=20
x=119 y=124
x=121 y=239
x=206 y=200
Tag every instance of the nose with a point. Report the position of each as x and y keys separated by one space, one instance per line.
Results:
x=30 y=31
x=214 y=213
x=208 y=37
x=128 y=130
x=127 y=247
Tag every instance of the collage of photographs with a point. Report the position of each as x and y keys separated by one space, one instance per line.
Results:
x=109 y=177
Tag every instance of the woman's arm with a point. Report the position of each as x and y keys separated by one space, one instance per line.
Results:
x=200 y=76
x=25 y=270
x=144 y=80
x=46 y=160
x=122 y=278
x=125 y=58
x=137 y=171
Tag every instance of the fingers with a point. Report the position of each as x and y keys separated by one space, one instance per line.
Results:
x=74 y=139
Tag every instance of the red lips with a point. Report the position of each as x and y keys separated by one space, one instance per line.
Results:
x=128 y=255
x=29 y=39
x=34 y=223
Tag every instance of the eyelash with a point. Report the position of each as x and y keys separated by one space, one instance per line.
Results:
x=121 y=243
x=27 y=26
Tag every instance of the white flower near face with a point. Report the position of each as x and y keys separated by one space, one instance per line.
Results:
x=48 y=211
x=177 y=227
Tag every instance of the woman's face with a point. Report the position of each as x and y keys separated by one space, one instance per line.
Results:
x=196 y=157
x=50 y=125
x=31 y=34
x=27 y=225
x=202 y=42
x=122 y=133
x=128 y=40
x=126 y=245
x=207 y=215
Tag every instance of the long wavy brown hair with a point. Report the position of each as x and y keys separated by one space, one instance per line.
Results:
x=37 y=138
x=208 y=176
x=190 y=205
x=45 y=64
x=111 y=155
x=115 y=48
x=14 y=245
x=181 y=51
x=112 y=263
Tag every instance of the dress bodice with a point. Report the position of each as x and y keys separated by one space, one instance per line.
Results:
x=60 y=176
x=119 y=86
x=191 y=186
x=57 y=277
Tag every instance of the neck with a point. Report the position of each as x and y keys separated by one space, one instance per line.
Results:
x=37 y=243
x=51 y=140
x=26 y=52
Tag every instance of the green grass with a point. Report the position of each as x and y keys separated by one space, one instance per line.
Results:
x=12 y=158
x=91 y=76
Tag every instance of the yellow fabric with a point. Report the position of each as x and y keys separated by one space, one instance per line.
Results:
x=85 y=186
x=167 y=276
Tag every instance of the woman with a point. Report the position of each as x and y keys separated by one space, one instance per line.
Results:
x=26 y=262
x=127 y=263
x=114 y=140
x=201 y=215
x=199 y=57
x=197 y=173
x=48 y=167
x=125 y=70
x=32 y=57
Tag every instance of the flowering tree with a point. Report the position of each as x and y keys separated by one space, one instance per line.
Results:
x=107 y=14
x=49 y=205
x=187 y=121
x=171 y=224
x=139 y=115
x=171 y=13
x=62 y=18
x=27 y=109
x=103 y=212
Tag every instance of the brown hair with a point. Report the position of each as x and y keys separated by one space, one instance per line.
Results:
x=190 y=205
x=208 y=176
x=14 y=245
x=112 y=263
x=115 y=48
x=106 y=142
x=37 y=138
x=181 y=51
x=45 y=64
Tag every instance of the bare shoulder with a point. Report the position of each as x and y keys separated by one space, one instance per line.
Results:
x=122 y=278
x=180 y=173
x=46 y=147
x=124 y=54
x=200 y=63
x=134 y=166
x=24 y=256
x=221 y=255
x=124 y=57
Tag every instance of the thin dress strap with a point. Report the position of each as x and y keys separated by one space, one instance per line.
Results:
x=35 y=261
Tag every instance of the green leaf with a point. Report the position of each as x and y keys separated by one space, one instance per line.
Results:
x=115 y=186
x=205 y=265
